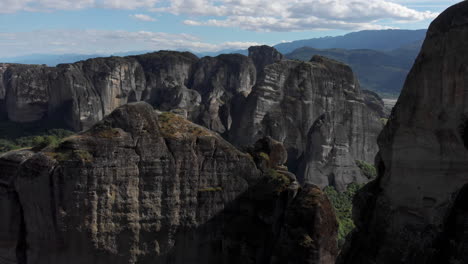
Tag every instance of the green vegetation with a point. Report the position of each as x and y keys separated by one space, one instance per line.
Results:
x=66 y=155
x=367 y=169
x=343 y=204
x=107 y=132
x=175 y=126
x=278 y=179
x=211 y=189
x=15 y=136
x=264 y=156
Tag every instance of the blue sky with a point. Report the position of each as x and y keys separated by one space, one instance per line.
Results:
x=109 y=26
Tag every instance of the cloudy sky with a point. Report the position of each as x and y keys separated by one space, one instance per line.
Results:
x=107 y=26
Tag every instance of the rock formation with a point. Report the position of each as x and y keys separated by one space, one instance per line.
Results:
x=263 y=56
x=315 y=108
x=318 y=111
x=374 y=102
x=142 y=187
x=416 y=211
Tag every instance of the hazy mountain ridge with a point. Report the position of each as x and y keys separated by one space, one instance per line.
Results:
x=380 y=71
x=380 y=58
x=383 y=40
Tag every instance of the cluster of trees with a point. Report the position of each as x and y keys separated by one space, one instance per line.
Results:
x=343 y=202
x=14 y=136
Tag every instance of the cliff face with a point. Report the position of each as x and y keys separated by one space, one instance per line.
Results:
x=416 y=211
x=315 y=108
x=77 y=94
x=140 y=187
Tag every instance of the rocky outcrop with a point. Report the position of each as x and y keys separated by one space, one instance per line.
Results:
x=263 y=56
x=143 y=187
x=318 y=111
x=415 y=212
x=77 y=95
x=219 y=80
x=167 y=76
x=315 y=108
x=374 y=102
x=3 y=67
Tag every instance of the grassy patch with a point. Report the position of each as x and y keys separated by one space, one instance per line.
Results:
x=211 y=189
x=68 y=155
x=36 y=140
x=175 y=126
x=107 y=133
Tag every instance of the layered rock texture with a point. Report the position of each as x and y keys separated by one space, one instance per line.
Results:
x=416 y=211
x=143 y=187
x=316 y=109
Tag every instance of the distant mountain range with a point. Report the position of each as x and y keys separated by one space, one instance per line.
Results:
x=383 y=40
x=381 y=71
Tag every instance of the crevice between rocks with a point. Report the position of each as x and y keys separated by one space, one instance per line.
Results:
x=21 y=246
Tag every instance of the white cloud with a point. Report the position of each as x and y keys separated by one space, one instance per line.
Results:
x=104 y=42
x=126 y=4
x=143 y=17
x=284 y=24
x=257 y=15
x=294 y=15
x=11 y=6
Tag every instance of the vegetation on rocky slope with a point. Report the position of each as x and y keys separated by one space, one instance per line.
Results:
x=16 y=136
x=343 y=204
x=367 y=169
x=175 y=126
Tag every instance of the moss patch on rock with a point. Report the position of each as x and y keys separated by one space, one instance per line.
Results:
x=175 y=126
x=211 y=189
x=70 y=155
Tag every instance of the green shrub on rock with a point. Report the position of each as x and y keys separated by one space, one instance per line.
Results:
x=367 y=169
x=343 y=204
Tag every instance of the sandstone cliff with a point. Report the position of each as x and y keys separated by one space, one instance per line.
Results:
x=142 y=187
x=315 y=108
x=416 y=211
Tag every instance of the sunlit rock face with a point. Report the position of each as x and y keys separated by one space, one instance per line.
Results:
x=416 y=210
x=147 y=187
x=77 y=95
x=316 y=109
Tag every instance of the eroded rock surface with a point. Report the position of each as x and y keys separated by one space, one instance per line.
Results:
x=142 y=187
x=316 y=109
x=415 y=212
